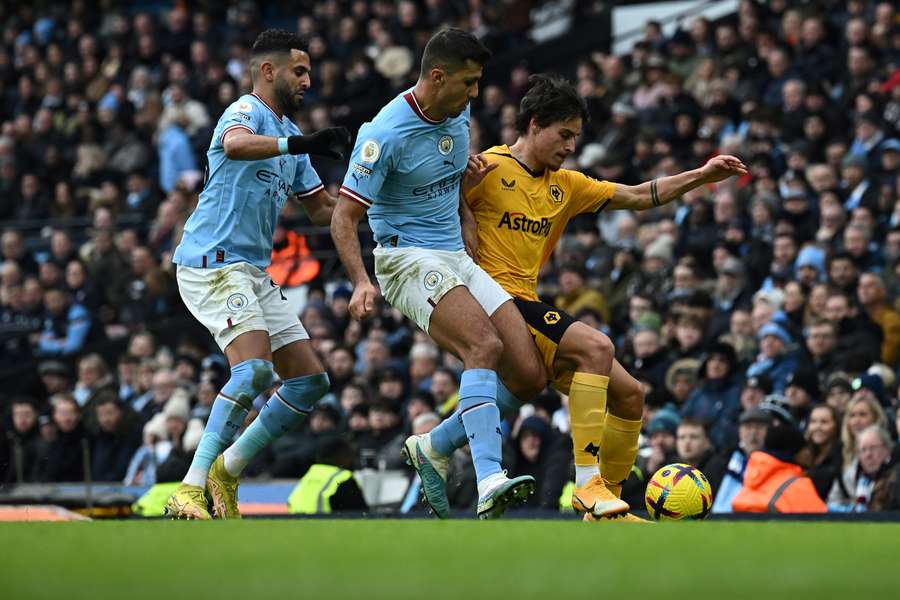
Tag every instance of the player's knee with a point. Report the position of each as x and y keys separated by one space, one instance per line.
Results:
x=303 y=392
x=486 y=350
x=597 y=353
x=249 y=379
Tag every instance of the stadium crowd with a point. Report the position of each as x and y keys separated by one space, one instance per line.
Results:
x=761 y=314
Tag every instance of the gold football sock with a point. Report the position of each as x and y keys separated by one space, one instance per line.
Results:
x=587 y=406
x=619 y=448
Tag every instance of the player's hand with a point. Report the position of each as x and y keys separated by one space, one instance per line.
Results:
x=329 y=142
x=363 y=300
x=476 y=170
x=722 y=167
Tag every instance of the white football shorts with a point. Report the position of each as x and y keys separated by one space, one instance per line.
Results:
x=413 y=280
x=238 y=298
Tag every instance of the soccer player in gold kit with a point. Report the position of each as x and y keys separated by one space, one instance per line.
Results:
x=518 y=213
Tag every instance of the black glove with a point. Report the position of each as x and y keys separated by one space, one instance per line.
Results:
x=326 y=142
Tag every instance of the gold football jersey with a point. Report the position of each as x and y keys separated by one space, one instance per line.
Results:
x=521 y=215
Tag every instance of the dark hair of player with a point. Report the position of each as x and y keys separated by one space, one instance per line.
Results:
x=277 y=41
x=450 y=48
x=550 y=99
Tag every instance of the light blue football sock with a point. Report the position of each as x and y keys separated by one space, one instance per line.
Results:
x=286 y=409
x=450 y=434
x=248 y=379
x=481 y=419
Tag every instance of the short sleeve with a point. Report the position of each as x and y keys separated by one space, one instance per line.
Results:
x=589 y=194
x=370 y=163
x=240 y=115
x=306 y=180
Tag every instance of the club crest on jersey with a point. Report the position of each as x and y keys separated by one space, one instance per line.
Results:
x=445 y=145
x=236 y=302
x=370 y=151
x=551 y=317
x=433 y=279
x=556 y=193
x=244 y=107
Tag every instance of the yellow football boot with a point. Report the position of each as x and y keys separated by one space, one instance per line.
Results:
x=188 y=502
x=223 y=489
x=594 y=498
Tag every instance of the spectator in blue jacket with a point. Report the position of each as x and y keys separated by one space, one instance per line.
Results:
x=717 y=398
x=66 y=325
x=775 y=359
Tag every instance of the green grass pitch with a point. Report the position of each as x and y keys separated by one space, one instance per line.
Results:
x=463 y=560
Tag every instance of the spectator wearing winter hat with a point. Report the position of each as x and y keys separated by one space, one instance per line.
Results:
x=716 y=400
x=726 y=471
x=872 y=295
x=862 y=412
x=543 y=454
x=681 y=379
x=870 y=386
x=810 y=265
x=838 y=391
x=775 y=359
x=802 y=392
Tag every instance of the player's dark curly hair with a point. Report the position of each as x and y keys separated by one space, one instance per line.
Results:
x=550 y=99
x=450 y=48
x=278 y=41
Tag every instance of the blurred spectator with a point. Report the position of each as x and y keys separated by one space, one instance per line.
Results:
x=543 y=454
x=22 y=442
x=716 y=400
x=773 y=482
x=118 y=436
x=61 y=456
x=822 y=454
x=692 y=443
x=878 y=487
x=862 y=412
x=726 y=471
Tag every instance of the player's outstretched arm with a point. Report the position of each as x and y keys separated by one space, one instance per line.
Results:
x=240 y=144
x=319 y=207
x=651 y=194
x=344 y=232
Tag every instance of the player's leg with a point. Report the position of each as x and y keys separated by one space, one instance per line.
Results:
x=479 y=346
x=224 y=301
x=521 y=377
x=521 y=368
x=619 y=445
x=431 y=288
x=589 y=353
x=304 y=382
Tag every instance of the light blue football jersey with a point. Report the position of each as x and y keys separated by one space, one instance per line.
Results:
x=406 y=169
x=240 y=202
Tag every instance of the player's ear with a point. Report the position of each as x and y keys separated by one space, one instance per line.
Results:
x=438 y=76
x=533 y=126
x=267 y=67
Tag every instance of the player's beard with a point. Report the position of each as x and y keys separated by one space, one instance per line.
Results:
x=284 y=95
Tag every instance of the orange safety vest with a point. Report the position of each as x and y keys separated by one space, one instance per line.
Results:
x=294 y=264
x=772 y=485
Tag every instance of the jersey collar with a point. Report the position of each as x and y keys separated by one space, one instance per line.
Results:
x=258 y=97
x=504 y=151
x=414 y=104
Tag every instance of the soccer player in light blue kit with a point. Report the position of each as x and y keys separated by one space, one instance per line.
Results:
x=257 y=158
x=406 y=172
